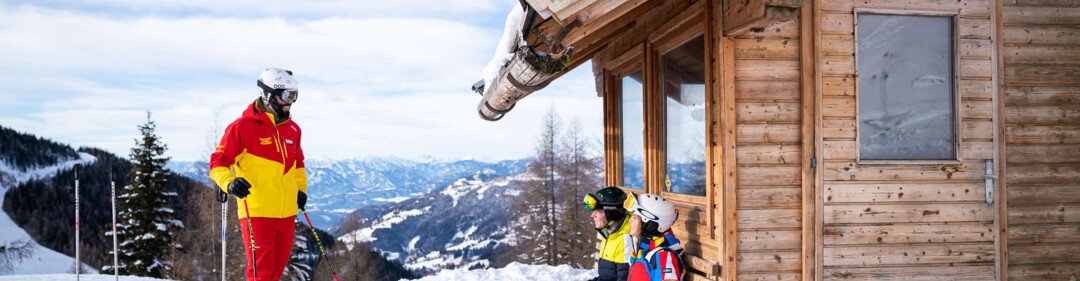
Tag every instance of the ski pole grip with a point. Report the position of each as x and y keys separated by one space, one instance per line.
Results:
x=112 y=172
x=76 y=169
x=222 y=196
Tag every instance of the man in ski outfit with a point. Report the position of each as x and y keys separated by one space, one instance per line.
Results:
x=612 y=222
x=259 y=160
x=658 y=255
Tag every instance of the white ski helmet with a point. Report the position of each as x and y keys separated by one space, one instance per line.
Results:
x=656 y=213
x=278 y=82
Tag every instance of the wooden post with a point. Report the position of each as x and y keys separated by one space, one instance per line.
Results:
x=809 y=163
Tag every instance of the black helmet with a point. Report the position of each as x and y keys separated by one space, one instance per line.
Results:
x=609 y=199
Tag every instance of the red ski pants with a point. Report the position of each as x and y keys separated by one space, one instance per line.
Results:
x=273 y=244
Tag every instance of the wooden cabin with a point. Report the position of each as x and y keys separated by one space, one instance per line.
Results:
x=842 y=139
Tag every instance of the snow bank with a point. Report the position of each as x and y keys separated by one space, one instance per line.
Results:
x=515 y=271
x=66 y=277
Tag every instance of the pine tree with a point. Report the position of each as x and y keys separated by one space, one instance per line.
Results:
x=146 y=221
x=299 y=266
x=579 y=173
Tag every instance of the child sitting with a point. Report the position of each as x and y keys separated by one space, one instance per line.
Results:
x=658 y=256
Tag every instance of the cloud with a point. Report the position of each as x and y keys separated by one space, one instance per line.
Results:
x=369 y=85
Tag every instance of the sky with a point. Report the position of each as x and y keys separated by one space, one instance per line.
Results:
x=377 y=78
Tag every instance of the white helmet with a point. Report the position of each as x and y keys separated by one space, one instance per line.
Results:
x=656 y=213
x=278 y=82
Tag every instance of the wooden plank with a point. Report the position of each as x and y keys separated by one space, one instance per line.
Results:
x=909 y=233
x=1066 y=114
x=779 y=197
x=906 y=273
x=1063 y=35
x=1043 y=194
x=767 y=111
x=1041 y=74
x=768 y=218
x=1042 y=174
x=976 y=48
x=839 y=129
x=1017 y=134
x=1048 y=2
x=780 y=30
x=771 y=90
x=1046 y=54
x=729 y=170
x=840 y=150
x=1041 y=15
x=1044 y=253
x=709 y=267
x=838 y=45
x=767 y=133
x=856 y=192
x=975 y=68
x=1043 y=154
x=837 y=65
x=837 y=23
x=761 y=240
x=767 y=175
x=976 y=129
x=966 y=8
x=977 y=150
x=909 y=213
x=1049 y=213
x=1044 y=233
x=1044 y=272
x=977 y=109
x=769 y=261
x=841 y=171
x=974 y=28
x=779 y=48
x=883 y=255
x=787 y=70
x=979 y=89
x=843 y=106
x=1041 y=95
x=771 y=276
x=838 y=86
x=768 y=154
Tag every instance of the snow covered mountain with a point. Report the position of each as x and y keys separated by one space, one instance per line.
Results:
x=464 y=225
x=338 y=187
x=41 y=259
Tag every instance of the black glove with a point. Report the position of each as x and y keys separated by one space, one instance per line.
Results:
x=301 y=199
x=239 y=187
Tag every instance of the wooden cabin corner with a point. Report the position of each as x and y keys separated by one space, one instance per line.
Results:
x=846 y=140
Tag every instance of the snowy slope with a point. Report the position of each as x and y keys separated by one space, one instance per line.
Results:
x=513 y=272
x=66 y=277
x=43 y=260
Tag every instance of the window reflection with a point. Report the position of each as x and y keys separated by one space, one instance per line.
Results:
x=633 y=131
x=683 y=85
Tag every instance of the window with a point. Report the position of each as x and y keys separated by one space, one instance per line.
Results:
x=906 y=88
x=633 y=130
x=683 y=86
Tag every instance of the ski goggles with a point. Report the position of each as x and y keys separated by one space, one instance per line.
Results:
x=288 y=96
x=592 y=203
x=589 y=201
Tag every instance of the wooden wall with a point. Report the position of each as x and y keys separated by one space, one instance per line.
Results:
x=906 y=220
x=1041 y=90
x=768 y=153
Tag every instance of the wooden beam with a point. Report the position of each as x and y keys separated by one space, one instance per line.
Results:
x=598 y=21
x=741 y=16
x=809 y=188
x=727 y=137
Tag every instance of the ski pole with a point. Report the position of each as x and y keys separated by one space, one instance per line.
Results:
x=251 y=234
x=224 y=199
x=116 y=249
x=78 y=264
x=317 y=241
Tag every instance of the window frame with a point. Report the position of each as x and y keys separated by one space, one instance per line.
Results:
x=631 y=61
x=956 y=95
x=678 y=31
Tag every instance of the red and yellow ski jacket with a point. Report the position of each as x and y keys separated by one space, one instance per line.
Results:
x=268 y=156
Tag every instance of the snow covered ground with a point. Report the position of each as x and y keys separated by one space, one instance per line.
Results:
x=65 y=277
x=43 y=260
x=515 y=271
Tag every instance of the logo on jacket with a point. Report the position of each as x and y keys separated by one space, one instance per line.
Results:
x=288 y=142
x=264 y=141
